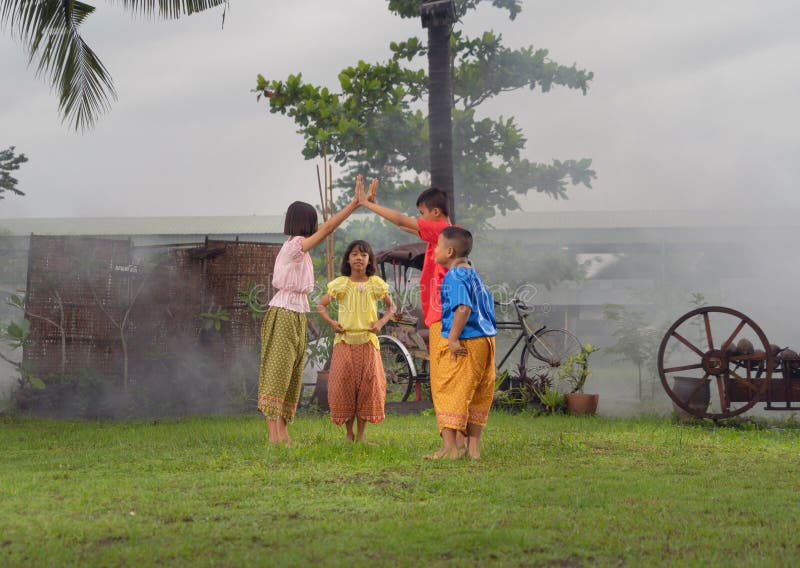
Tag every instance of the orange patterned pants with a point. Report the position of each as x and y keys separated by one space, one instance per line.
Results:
x=464 y=386
x=435 y=345
x=357 y=385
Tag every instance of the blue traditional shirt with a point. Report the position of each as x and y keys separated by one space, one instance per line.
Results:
x=463 y=286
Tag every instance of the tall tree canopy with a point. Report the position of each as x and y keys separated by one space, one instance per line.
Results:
x=8 y=163
x=50 y=32
x=374 y=122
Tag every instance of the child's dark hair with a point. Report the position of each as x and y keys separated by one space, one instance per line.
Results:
x=458 y=238
x=432 y=198
x=362 y=246
x=301 y=220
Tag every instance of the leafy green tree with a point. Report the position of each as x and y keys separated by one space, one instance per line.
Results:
x=374 y=122
x=8 y=163
x=50 y=32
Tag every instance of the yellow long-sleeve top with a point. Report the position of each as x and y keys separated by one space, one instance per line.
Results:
x=358 y=308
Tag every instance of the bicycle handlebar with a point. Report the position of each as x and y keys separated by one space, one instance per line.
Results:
x=516 y=302
x=522 y=310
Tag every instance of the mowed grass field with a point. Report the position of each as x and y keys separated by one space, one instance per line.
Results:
x=549 y=491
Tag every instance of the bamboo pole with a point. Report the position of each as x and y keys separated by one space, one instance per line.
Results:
x=325 y=187
x=321 y=199
x=331 y=270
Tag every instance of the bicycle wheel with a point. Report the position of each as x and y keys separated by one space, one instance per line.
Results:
x=546 y=352
x=554 y=346
x=398 y=367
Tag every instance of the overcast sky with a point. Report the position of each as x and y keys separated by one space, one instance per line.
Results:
x=694 y=105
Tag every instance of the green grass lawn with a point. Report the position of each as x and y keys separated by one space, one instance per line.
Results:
x=552 y=491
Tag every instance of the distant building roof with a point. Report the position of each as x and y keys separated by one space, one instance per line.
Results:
x=116 y=226
x=648 y=219
x=515 y=220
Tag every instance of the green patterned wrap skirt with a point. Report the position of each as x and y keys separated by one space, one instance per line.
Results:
x=283 y=349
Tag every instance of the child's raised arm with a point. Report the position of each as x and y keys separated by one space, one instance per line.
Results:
x=330 y=225
x=408 y=224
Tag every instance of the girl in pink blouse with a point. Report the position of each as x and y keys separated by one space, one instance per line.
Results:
x=283 y=332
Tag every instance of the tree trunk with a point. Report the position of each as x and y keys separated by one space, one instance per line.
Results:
x=440 y=104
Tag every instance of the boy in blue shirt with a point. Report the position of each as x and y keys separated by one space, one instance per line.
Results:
x=466 y=369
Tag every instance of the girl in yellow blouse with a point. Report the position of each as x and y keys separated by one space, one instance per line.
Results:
x=357 y=384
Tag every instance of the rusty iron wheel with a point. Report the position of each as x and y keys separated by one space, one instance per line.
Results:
x=734 y=381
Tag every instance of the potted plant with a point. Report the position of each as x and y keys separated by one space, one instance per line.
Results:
x=574 y=371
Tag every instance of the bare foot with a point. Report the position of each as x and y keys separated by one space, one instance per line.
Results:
x=473 y=454
x=454 y=454
x=437 y=455
x=351 y=437
x=446 y=454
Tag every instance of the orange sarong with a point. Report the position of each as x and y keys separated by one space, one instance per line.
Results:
x=435 y=345
x=357 y=384
x=463 y=387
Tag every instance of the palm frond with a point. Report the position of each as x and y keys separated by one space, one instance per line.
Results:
x=49 y=31
x=169 y=9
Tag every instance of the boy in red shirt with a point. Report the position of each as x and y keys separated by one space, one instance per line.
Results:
x=433 y=218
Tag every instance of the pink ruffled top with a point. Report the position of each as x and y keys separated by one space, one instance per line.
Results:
x=293 y=277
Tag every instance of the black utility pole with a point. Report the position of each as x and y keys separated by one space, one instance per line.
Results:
x=437 y=16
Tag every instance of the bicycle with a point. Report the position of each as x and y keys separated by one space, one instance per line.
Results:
x=404 y=347
x=544 y=349
x=406 y=362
